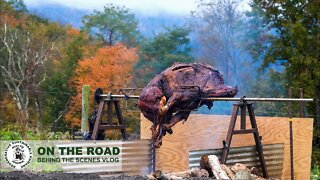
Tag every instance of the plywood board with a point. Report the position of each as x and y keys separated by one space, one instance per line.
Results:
x=208 y=132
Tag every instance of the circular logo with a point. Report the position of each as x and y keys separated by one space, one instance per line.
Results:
x=18 y=154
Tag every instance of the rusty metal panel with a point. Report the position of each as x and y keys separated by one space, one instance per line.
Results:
x=273 y=154
x=137 y=159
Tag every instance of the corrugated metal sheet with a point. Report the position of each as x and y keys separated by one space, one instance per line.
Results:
x=137 y=158
x=273 y=154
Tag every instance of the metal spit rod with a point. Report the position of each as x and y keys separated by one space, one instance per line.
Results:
x=222 y=98
x=119 y=96
x=261 y=99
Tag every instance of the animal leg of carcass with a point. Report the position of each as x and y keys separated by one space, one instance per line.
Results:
x=157 y=135
x=155 y=128
x=165 y=116
x=172 y=100
x=161 y=129
x=158 y=123
x=167 y=119
x=158 y=141
x=181 y=115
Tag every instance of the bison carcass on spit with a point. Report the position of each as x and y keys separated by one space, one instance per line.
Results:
x=173 y=94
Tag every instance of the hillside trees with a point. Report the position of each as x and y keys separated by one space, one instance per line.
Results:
x=232 y=40
x=219 y=27
x=57 y=84
x=114 y=24
x=25 y=52
x=109 y=68
x=116 y=27
x=162 y=51
x=43 y=64
x=37 y=61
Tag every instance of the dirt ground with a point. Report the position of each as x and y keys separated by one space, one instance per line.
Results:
x=20 y=175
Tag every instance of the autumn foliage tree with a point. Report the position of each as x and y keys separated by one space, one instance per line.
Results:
x=27 y=45
x=110 y=69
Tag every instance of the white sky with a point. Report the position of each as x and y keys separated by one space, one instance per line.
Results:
x=145 y=6
x=182 y=7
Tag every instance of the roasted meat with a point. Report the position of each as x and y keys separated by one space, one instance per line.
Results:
x=173 y=94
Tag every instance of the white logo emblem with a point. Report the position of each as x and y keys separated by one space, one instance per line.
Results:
x=18 y=154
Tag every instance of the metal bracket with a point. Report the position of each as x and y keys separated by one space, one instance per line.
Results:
x=127 y=92
x=97 y=95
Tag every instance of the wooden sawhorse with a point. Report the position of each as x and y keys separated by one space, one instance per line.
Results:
x=243 y=105
x=99 y=125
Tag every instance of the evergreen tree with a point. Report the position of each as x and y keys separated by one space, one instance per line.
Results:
x=162 y=51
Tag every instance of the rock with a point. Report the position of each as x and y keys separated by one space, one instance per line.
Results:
x=242 y=174
x=203 y=173
x=159 y=175
x=151 y=177
x=196 y=172
x=254 y=171
x=238 y=166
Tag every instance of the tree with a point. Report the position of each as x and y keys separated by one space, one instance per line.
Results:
x=110 y=69
x=115 y=24
x=25 y=51
x=162 y=51
x=18 y=5
x=60 y=74
x=295 y=42
x=220 y=29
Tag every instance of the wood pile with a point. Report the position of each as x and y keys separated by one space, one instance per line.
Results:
x=210 y=167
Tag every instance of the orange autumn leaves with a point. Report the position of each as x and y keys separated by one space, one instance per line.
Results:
x=110 y=69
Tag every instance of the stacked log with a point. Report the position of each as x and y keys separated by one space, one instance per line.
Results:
x=210 y=167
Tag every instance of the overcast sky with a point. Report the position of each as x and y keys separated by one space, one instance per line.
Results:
x=181 y=7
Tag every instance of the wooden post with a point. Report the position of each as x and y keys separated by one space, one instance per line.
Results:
x=291 y=135
x=317 y=119
x=85 y=108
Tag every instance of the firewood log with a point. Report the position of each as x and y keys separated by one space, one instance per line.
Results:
x=182 y=173
x=216 y=167
x=226 y=169
x=173 y=177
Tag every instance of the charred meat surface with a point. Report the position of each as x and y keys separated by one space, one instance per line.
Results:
x=172 y=95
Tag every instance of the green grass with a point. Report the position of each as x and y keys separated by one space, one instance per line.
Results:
x=315 y=172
